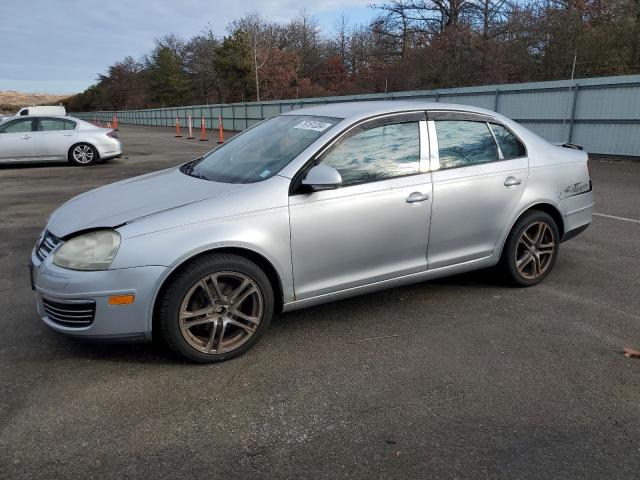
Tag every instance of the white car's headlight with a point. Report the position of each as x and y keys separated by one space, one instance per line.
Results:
x=90 y=251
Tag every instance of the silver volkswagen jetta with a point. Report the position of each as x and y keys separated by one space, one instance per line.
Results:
x=307 y=207
x=45 y=138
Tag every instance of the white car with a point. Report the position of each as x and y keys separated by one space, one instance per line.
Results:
x=58 y=111
x=56 y=138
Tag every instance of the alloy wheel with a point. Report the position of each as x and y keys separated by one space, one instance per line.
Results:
x=535 y=250
x=83 y=154
x=221 y=312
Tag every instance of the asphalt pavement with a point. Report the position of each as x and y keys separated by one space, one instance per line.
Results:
x=462 y=377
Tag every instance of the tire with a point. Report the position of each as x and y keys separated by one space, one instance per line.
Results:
x=527 y=259
x=83 y=154
x=239 y=309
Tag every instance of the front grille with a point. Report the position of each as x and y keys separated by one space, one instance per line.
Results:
x=78 y=313
x=48 y=243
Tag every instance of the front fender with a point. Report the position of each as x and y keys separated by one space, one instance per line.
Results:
x=264 y=232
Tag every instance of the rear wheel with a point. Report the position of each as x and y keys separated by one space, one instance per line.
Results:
x=216 y=308
x=83 y=154
x=531 y=249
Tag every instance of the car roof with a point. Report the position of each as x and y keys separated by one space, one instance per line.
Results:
x=46 y=115
x=84 y=124
x=369 y=108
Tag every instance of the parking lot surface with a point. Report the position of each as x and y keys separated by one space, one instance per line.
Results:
x=457 y=378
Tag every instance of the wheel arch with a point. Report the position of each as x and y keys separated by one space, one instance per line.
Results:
x=553 y=213
x=257 y=258
x=542 y=206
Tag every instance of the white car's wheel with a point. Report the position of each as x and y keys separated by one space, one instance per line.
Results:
x=83 y=154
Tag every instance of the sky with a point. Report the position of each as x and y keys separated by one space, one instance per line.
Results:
x=60 y=46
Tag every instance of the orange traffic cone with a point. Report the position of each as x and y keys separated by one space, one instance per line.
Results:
x=178 y=134
x=190 y=137
x=220 y=130
x=108 y=124
x=203 y=131
x=115 y=120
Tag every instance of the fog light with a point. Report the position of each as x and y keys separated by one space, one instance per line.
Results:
x=121 y=299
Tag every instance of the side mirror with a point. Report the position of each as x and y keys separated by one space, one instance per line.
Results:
x=322 y=177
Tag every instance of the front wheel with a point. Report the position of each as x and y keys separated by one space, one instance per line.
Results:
x=83 y=154
x=216 y=308
x=531 y=249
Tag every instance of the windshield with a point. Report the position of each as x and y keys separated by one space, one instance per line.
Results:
x=261 y=151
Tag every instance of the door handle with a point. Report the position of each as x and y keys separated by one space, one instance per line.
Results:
x=67 y=134
x=512 y=182
x=416 y=197
x=26 y=137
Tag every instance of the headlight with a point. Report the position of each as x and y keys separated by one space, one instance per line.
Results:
x=90 y=251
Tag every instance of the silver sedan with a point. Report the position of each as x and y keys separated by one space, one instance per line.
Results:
x=53 y=138
x=307 y=207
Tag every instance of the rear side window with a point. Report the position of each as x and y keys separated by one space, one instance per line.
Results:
x=378 y=153
x=463 y=143
x=53 y=124
x=17 y=126
x=510 y=146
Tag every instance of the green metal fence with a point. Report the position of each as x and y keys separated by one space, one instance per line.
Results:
x=603 y=114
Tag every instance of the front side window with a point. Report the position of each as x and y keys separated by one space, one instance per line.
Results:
x=510 y=146
x=17 y=126
x=378 y=153
x=261 y=151
x=55 y=124
x=463 y=143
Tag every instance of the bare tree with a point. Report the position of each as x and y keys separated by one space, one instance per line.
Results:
x=491 y=13
x=342 y=37
x=262 y=36
x=302 y=35
x=200 y=60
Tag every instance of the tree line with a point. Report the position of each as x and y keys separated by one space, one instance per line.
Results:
x=410 y=45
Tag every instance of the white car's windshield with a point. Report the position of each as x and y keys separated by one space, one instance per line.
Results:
x=261 y=151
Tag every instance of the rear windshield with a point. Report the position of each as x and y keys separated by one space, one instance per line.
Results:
x=261 y=151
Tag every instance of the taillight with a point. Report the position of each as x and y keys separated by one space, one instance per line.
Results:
x=112 y=134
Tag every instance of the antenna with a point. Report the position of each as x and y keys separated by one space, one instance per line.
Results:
x=573 y=71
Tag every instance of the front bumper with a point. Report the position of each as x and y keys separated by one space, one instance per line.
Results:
x=61 y=286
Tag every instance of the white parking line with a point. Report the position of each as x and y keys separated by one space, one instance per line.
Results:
x=615 y=217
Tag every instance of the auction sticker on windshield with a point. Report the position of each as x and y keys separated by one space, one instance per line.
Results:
x=313 y=125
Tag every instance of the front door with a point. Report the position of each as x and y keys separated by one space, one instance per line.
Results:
x=482 y=174
x=16 y=140
x=375 y=226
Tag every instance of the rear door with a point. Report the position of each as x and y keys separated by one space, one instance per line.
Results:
x=376 y=225
x=54 y=137
x=481 y=176
x=16 y=140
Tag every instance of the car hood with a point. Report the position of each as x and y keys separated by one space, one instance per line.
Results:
x=128 y=200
